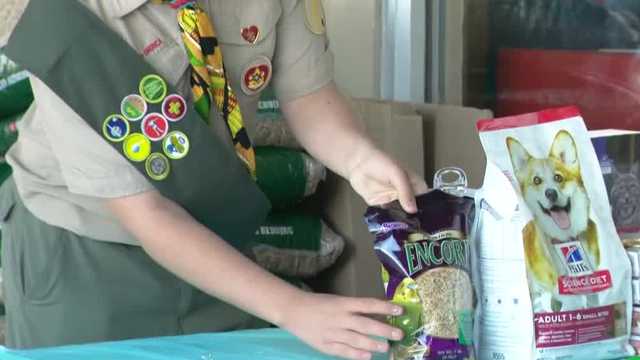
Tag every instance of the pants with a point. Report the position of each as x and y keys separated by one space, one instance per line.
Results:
x=61 y=288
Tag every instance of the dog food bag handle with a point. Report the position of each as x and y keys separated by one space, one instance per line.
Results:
x=452 y=180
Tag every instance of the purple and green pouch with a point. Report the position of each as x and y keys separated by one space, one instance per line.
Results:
x=426 y=268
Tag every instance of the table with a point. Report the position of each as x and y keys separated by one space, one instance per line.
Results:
x=269 y=344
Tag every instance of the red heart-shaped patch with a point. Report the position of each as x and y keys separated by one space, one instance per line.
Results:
x=251 y=34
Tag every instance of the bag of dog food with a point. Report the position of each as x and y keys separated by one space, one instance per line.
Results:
x=555 y=280
x=426 y=261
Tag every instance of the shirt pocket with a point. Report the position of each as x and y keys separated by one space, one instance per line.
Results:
x=154 y=34
x=246 y=32
x=170 y=61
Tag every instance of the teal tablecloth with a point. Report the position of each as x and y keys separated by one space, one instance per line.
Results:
x=269 y=344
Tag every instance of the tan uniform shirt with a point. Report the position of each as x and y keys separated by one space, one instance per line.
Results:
x=65 y=171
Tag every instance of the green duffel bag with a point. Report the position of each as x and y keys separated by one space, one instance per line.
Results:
x=15 y=89
x=287 y=176
x=296 y=245
x=8 y=133
x=268 y=106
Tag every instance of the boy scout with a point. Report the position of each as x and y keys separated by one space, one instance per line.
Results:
x=122 y=194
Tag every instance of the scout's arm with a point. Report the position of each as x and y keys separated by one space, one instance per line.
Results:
x=325 y=125
x=332 y=324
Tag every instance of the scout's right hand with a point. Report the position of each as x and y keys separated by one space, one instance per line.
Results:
x=340 y=326
x=379 y=179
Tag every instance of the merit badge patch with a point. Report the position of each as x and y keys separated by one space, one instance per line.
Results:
x=315 y=19
x=136 y=147
x=153 y=88
x=157 y=166
x=174 y=107
x=250 y=34
x=256 y=75
x=155 y=126
x=115 y=128
x=133 y=107
x=176 y=145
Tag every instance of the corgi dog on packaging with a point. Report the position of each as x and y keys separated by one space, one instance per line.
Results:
x=560 y=239
x=555 y=281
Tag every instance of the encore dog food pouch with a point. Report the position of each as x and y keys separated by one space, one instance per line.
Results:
x=554 y=277
x=426 y=261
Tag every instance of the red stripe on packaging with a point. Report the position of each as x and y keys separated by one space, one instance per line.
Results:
x=516 y=121
x=585 y=284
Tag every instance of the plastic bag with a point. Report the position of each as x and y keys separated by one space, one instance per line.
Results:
x=617 y=153
x=555 y=280
x=270 y=127
x=296 y=245
x=287 y=176
x=274 y=133
x=426 y=259
x=268 y=106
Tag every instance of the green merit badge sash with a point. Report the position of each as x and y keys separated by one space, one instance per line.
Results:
x=119 y=95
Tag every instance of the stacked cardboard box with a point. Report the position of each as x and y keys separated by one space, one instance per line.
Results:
x=424 y=138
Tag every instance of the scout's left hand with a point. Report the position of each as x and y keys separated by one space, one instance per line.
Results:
x=379 y=179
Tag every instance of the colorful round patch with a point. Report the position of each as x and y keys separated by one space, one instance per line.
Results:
x=153 y=88
x=176 y=145
x=155 y=126
x=136 y=147
x=174 y=107
x=133 y=107
x=115 y=128
x=256 y=75
x=157 y=166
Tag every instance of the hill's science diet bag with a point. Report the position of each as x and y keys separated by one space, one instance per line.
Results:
x=555 y=280
x=427 y=262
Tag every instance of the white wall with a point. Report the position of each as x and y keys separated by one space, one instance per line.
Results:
x=353 y=28
x=403 y=61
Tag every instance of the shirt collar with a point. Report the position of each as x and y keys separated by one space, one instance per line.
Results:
x=121 y=8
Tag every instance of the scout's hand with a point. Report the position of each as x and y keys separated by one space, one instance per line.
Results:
x=338 y=325
x=380 y=180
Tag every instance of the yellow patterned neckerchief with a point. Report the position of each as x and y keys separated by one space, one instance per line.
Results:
x=208 y=78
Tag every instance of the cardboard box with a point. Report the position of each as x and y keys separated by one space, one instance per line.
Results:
x=423 y=137
x=451 y=139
